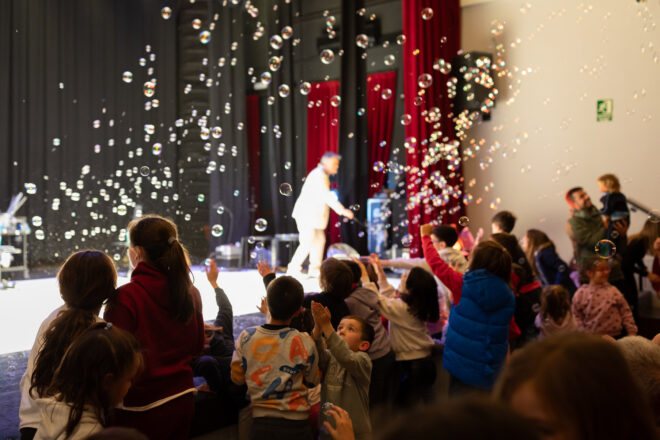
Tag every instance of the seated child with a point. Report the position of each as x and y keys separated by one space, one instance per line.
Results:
x=615 y=205
x=599 y=307
x=345 y=365
x=93 y=377
x=278 y=364
x=555 y=315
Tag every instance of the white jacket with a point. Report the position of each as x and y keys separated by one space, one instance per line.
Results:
x=312 y=206
x=54 y=417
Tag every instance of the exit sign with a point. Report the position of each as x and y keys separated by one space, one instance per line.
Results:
x=604 y=109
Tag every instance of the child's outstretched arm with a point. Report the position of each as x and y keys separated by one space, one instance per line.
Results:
x=225 y=316
x=266 y=272
x=320 y=315
x=385 y=287
x=445 y=273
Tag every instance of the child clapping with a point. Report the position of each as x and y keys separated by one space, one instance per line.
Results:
x=345 y=365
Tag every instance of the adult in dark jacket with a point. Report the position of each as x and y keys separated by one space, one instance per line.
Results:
x=639 y=245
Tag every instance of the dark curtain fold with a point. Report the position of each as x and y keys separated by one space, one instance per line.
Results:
x=61 y=66
x=253 y=144
x=380 y=123
x=434 y=186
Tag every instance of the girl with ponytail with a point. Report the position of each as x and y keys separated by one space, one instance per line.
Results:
x=162 y=308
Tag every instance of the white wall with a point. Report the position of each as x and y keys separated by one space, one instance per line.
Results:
x=577 y=52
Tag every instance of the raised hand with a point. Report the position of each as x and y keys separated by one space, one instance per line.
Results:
x=264 y=268
x=426 y=229
x=343 y=426
x=212 y=273
x=263 y=307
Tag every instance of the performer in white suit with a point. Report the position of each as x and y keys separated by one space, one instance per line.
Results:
x=311 y=213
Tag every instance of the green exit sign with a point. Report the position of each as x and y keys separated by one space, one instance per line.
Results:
x=604 y=109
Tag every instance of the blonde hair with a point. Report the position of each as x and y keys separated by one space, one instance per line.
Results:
x=611 y=182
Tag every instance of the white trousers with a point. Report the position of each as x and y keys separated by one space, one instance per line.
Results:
x=312 y=243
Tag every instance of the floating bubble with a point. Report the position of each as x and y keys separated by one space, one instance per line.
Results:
x=127 y=77
x=149 y=89
x=201 y=198
x=362 y=41
x=266 y=77
x=427 y=14
x=30 y=188
x=156 y=149
x=305 y=88
x=37 y=221
x=251 y=239
x=204 y=37
x=418 y=100
x=330 y=21
x=217 y=230
x=216 y=132
x=166 y=13
x=424 y=80
x=236 y=193
x=144 y=171
x=335 y=101
x=276 y=42
x=39 y=234
x=122 y=210
x=443 y=66
x=407 y=240
x=497 y=27
x=654 y=216
x=196 y=23
x=463 y=221
x=390 y=60
x=207 y=262
x=406 y=119
x=149 y=128
x=360 y=111
x=379 y=166
x=285 y=189
x=220 y=210
x=56 y=142
x=274 y=63
x=283 y=90
x=287 y=165
x=386 y=94
x=327 y=56
x=260 y=225
x=287 y=32
x=605 y=249
x=401 y=40
x=355 y=207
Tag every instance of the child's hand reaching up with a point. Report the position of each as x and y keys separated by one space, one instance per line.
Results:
x=263 y=307
x=322 y=317
x=212 y=273
x=264 y=268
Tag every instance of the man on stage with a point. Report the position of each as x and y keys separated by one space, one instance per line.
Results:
x=311 y=213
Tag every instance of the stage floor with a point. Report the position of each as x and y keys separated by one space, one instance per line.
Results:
x=24 y=307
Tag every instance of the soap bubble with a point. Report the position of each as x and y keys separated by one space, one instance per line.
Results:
x=378 y=166
x=390 y=60
x=166 y=13
x=330 y=21
x=274 y=63
x=56 y=142
x=251 y=239
x=605 y=249
x=427 y=13
x=127 y=77
x=360 y=111
x=37 y=221
x=287 y=165
x=220 y=210
x=266 y=77
x=386 y=94
x=463 y=221
x=149 y=128
x=144 y=171
x=259 y=246
x=204 y=37
x=497 y=27
x=407 y=240
x=201 y=198
x=327 y=56
x=287 y=32
x=196 y=23
x=654 y=216
x=30 y=188
x=401 y=40
x=406 y=119
x=217 y=230
x=276 y=42
x=335 y=101
x=284 y=90
x=149 y=89
x=424 y=80
x=207 y=262
x=39 y=234
x=305 y=88
x=156 y=149
x=285 y=189
x=355 y=207
x=122 y=210
x=260 y=225
x=362 y=41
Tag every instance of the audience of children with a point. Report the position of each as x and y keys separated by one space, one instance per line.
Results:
x=555 y=315
x=162 y=308
x=546 y=264
x=599 y=307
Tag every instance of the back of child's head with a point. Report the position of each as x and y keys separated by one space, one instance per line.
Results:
x=589 y=266
x=518 y=257
x=158 y=237
x=610 y=181
x=536 y=239
x=491 y=256
x=555 y=303
x=447 y=234
x=422 y=295
x=505 y=220
x=368 y=332
x=336 y=278
x=91 y=366
x=87 y=279
x=355 y=270
x=285 y=297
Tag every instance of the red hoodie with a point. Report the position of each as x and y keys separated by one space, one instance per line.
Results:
x=168 y=346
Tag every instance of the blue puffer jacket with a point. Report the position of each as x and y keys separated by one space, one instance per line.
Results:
x=478 y=332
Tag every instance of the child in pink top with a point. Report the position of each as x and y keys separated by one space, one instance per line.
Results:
x=599 y=307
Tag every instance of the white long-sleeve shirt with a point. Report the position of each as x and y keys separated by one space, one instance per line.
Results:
x=313 y=205
x=54 y=416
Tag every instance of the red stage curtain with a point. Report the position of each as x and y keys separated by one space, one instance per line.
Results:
x=322 y=136
x=426 y=41
x=253 y=133
x=380 y=121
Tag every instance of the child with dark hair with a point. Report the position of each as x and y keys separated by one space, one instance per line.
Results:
x=555 y=315
x=278 y=364
x=86 y=280
x=345 y=366
x=599 y=307
x=503 y=221
x=408 y=311
x=94 y=376
x=162 y=308
x=336 y=282
x=544 y=260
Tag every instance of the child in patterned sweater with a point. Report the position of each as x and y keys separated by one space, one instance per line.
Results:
x=599 y=307
x=278 y=364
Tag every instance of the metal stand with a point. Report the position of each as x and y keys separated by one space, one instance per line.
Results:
x=14 y=241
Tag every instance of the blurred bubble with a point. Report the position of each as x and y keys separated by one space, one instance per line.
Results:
x=144 y=171
x=330 y=21
x=379 y=166
x=390 y=60
x=30 y=188
x=217 y=230
x=327 y=56
x=274 y=63
x=220 y=210
x=122 y=210
x=276 y=42
x=266 y=77
x=605 y=249
x=96 y=123
x=335 y=101
x=362 y=41
x=286 y=190
x=157 y=149
x=149 y=89
x=355 y=207
x=217 y=132
x=196 y=23
x=427 y=13
x=407 y=240
x=360 y=111
x=56 y=142
x=418 y=100
x=39 y=234
x=283 y=90
x=406 y=119
x=204 y=37
x=401 y=40
x=463 y=221
x=37 y=221
x=149 y=128
x=443 y=66
x=496 y=28
x=260 y=225
x=386 y=94
x=287 y=165
x=127 y=77
x=259 y=246
x=424 y=80
x=251 y=239
x=287 y=32
x=305 y=88
x=166 y=13
x=207 y=262
x=201 y=198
